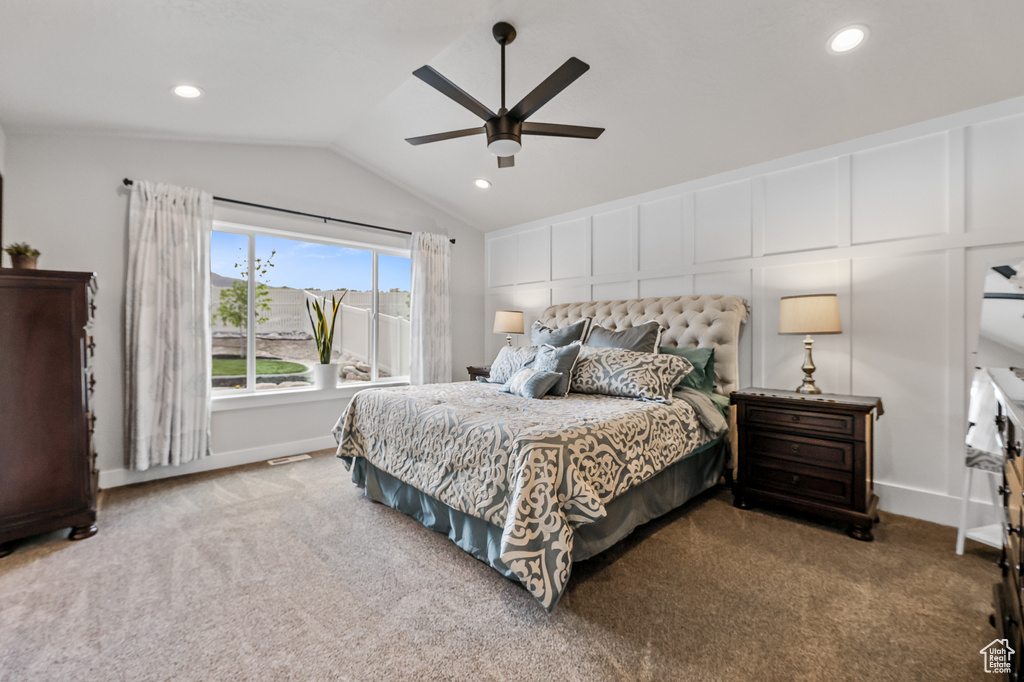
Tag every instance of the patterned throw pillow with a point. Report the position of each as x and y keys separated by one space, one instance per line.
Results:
x=643 y=338
x=547 y=336
x=510 y=360
x=560 y=360
x=530 y=383
x=628 y=374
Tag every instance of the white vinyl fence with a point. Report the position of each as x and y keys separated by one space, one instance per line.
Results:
x=288 y=320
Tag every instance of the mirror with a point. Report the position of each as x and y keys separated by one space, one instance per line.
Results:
x=1001 y=327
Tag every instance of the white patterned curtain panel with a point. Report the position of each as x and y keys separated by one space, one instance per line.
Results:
x=167 y=325
x=431 y=309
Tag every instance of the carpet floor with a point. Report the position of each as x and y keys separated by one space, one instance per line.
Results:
x=289 y=573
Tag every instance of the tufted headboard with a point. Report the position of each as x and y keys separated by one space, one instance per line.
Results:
x=688 y=321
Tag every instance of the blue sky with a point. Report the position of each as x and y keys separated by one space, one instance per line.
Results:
x=303 y=265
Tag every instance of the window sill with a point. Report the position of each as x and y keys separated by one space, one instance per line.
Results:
x=291 y=396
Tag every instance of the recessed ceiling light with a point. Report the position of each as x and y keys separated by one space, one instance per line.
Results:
x=481 y=183
x=846 y=39
x=187 y=91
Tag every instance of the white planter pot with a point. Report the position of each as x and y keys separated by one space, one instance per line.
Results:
x=325 y=376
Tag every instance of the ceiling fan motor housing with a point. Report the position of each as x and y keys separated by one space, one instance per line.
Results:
x=504 y=129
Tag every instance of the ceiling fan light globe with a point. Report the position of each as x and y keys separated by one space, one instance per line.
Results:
x=504 y=147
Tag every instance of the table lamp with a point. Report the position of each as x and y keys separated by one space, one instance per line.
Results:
x=508 y=322
x=810 y=314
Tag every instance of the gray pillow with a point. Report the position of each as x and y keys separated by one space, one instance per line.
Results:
x=559 y=360
x=509 y=361
x=643 y=338
x=628 y=374
x=530 y=383
x=548 y=336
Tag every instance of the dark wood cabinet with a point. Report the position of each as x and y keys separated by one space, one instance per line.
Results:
x=47 y=462
x=482 y=372
x=808 y=453
x=1009 y=591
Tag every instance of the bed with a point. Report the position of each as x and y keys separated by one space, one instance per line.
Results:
x=531 y=486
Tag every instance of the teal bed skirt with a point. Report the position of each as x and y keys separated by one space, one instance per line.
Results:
x=669 y=489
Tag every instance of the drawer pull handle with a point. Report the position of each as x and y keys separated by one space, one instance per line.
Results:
x=796 y=418
x=1011 y=529
x=796 y=447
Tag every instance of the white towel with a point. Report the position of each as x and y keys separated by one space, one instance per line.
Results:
x=982 y=414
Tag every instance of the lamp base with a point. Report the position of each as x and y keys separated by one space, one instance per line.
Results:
x=508 y=340
x=808 y=386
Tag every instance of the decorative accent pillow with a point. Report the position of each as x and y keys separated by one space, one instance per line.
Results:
x=547 y=336
x=560 y=360
x=628 y=374
x=702 y=377
x=510 y=360
x=530 y=383
x=643 y=338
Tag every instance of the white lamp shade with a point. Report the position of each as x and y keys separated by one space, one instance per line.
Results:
x=813 y=314
x=508 y=322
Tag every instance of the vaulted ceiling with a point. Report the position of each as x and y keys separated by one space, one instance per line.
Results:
x=684 y=88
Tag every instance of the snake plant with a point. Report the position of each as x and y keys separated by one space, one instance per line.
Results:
x=323 y=333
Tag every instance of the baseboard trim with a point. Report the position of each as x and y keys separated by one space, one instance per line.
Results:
x=113 y=478
x=932 y=506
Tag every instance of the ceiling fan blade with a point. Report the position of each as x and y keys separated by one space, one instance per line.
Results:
x=450 y=135
x=506 y=161
x=559 y=130
x=435 y=80
x=551 y=86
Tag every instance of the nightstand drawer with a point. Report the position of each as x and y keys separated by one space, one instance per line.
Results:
x=832 y=423
x=816 y=452
x=799 y=481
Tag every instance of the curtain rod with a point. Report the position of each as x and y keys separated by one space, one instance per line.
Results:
x=128 y=183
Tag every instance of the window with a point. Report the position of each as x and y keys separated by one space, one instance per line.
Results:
x=262 y=337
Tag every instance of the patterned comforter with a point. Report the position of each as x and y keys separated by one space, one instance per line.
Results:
x=535 y=468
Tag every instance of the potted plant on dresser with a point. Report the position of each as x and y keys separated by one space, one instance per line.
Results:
x=325 y=374
x=23 y=256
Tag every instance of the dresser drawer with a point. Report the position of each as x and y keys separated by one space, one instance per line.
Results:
x=832 y=423
x=798 y=481
x=813 y=451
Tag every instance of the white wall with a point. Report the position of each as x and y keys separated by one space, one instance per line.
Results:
x=3 y=148
x=63 y=195
x=888 y=222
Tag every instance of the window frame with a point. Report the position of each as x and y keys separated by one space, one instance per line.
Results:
x=236 y=398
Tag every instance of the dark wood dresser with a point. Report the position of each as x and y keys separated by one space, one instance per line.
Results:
x=808 y=453
x=47 y=463
x=1008 y=591
x=479 y=372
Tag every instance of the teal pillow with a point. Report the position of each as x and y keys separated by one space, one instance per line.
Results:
x=702 y=377
x=531 y=383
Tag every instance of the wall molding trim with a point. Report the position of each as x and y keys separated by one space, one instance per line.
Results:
x=114 y=478
x=890 y=222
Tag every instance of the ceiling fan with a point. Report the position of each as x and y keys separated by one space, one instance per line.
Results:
x=505 y=129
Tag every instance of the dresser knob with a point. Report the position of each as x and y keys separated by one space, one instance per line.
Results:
x=796 y=448
x=795 y=479
x=795 y=418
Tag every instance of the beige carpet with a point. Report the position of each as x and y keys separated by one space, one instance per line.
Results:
x=288 y=573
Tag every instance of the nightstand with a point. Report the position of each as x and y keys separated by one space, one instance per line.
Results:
x=475 y=372
x=808 y=453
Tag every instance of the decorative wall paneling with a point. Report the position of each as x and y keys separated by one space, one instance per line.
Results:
x=888 y=222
